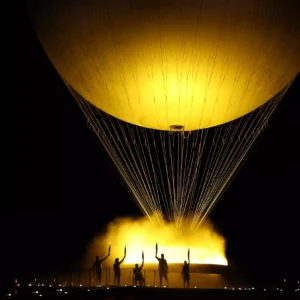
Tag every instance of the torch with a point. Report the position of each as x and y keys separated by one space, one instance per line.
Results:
x=125 y=250
x=142 y=255
x=109 y=249
x=156 y=249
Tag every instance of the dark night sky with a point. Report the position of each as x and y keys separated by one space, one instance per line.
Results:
x=70 y=190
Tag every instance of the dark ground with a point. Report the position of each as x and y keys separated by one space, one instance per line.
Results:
x=131 y=293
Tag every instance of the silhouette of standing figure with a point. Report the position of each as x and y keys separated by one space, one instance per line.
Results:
x=98 y=266
x=117 y=269
x=185 y=274
x=137 y=272
x=162 y=268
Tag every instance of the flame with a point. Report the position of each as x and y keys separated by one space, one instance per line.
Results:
x=138 y=235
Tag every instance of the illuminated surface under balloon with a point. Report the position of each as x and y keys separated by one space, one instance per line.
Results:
x=166 y=62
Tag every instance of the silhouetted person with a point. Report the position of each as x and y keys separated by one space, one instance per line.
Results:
x=138 y=276
x=117 y=269
x=162 y=269
x=98 y=266
x=185 y=274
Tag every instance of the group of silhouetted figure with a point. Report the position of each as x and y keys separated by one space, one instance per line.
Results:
x=139 y=279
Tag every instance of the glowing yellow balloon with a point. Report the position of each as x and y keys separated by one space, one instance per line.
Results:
x=158 y=63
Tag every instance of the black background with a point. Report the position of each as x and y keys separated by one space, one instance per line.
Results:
x=69 y=191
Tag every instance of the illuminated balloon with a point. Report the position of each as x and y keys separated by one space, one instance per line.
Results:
x=160 y=63
x=213 y=71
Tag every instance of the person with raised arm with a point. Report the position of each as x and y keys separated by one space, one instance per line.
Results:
x=98 y=266
x=117 y=269
x=162 y=267
x=185 y=273
x=137 y=272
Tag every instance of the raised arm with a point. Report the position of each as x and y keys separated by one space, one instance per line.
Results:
x=103 y=259
x=124 y=255
x=142 y=264
x=122 y=259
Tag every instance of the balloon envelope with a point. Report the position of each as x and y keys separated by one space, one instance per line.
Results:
x=170 y=62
